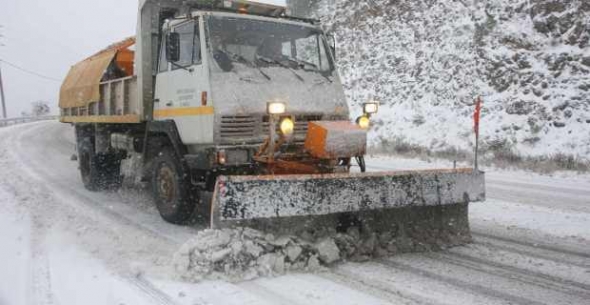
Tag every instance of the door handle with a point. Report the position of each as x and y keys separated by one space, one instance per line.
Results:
x=169 y=104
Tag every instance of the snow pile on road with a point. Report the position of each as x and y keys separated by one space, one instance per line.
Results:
x=244 y=254
x=426 y=61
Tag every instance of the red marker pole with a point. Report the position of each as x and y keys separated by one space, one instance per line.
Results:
x=476 y=116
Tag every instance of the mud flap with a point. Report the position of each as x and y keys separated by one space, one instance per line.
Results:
x=242 y=200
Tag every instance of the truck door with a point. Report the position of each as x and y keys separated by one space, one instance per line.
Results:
x=182 y=86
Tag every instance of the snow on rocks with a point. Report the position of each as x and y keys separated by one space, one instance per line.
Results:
x=293 y=252
x=426 y=61
x=328 y=251
x=244 y=253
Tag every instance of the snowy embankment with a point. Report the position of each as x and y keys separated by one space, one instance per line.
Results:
x=63 y=245
x=426 y=61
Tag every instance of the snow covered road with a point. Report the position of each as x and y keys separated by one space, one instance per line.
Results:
x=61 y=244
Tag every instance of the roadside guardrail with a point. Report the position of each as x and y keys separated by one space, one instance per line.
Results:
x=14 y=121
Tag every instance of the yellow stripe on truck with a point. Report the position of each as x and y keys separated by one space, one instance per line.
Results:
x=189 y=111
x=122 y=119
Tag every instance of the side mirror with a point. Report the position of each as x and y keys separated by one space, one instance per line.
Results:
x=173 y=47
x=332 y=43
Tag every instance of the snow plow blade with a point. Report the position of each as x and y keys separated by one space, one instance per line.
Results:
x=405 y=201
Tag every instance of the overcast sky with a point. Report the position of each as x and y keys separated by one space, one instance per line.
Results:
x=49 y=36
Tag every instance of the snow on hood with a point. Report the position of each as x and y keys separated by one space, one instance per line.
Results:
x=245 y=90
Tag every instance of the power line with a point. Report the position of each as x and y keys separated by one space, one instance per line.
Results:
x=24 y=69
x=30 y=72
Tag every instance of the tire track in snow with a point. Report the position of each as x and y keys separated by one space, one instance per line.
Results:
x=480 y=289
x=522 y=275
x=540 y=198
x=411 y=285
x=544 y=182
x=149 y=290
x=49 y=203
x=558 y=258
x=533 y=246
x=356 y=282
x=41 y=291
x=533 y=187
x=70 y=192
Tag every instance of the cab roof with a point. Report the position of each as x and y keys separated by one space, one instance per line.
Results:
x=244 y=7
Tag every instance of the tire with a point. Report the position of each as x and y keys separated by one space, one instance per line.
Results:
x=98 y=171
x=361 y=162
x=171 y=188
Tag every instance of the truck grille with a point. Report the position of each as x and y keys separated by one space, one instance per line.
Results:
x=301 y=124
x=238 y=127
x=254 y=129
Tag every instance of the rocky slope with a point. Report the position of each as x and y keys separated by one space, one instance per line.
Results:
x=427 y=60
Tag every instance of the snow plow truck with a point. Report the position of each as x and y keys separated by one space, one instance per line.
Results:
x=233 y=112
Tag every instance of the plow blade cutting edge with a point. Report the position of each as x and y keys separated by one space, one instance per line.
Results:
x=438 y=198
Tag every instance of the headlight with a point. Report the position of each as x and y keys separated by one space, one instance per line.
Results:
x=364 y=122
x=371 y=108
x=221 y=159
x=287 y=126
x=276 y=108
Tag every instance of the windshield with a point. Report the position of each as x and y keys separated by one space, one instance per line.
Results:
x=261 y=43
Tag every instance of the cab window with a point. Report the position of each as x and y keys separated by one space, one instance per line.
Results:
x=190 y=45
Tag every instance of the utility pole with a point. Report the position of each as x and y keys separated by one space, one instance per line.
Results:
x=2 y=85
x=2 y=94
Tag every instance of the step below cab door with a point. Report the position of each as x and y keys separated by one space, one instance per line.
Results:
x=182 y=83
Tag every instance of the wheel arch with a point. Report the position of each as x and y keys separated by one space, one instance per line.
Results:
x=165 y=133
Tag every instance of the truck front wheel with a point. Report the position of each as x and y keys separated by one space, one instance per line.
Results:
x=171 y=188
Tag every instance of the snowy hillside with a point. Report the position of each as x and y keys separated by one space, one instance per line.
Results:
x=427 y=60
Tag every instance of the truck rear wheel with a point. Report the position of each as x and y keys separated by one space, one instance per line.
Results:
x=98 y=171
x=171 y=188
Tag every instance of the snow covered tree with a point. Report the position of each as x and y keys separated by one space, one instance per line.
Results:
x=40 y=108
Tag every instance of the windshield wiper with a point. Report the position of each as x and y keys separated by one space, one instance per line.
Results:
x=274 y=61
x=262 y=72
x=238 y=58
x=305 y=63
x=302 y=63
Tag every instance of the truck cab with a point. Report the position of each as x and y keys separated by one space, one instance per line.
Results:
x=218 y=70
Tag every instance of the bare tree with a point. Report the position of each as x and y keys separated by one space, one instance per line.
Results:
x=40 y=108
